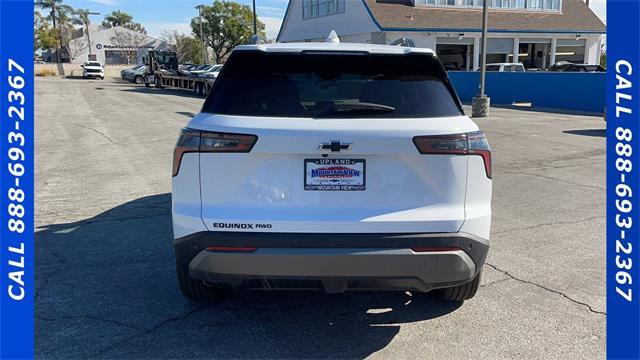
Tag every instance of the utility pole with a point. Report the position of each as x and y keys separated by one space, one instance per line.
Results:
x=480 y=105
x=255 y=20
x=204 y=44
x=86 y=25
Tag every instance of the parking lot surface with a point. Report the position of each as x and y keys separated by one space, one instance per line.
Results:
x=105 y=277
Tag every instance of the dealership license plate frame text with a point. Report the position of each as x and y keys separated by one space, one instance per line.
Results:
x=346 y=175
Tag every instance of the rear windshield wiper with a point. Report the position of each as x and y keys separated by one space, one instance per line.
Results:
x=356 y=108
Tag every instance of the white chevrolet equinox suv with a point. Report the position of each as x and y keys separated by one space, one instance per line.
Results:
x=331 y=166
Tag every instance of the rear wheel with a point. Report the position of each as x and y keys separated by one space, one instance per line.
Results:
x=138 y=80
x=461 y=292
x=194 y=289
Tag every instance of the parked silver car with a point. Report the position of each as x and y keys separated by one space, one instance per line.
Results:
x=135 y=74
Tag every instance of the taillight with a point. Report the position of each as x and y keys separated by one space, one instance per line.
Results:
x=207 y=142
x=188 y=142
x=474 y=143
x=478 y=145
x=223 y=142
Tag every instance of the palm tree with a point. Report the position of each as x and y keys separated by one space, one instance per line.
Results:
x=82 y=18
x=117 y=18
x=54 y=5
x=121 y=18
x=64 y=19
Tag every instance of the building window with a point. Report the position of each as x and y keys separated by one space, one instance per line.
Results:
x=316 y=8
x=545 y=5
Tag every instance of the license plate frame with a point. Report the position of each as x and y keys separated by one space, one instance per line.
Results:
x=335 y=174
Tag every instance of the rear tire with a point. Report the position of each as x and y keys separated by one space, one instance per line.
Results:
x=461 y=292
x=138 y=80
x=194 y=289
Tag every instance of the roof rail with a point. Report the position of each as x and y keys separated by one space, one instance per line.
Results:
x=403 y=41
x=256 y=39
x=333 y=38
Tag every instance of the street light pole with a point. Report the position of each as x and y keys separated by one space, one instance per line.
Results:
x=480 y=105
x=204 y=44
x=255 y=21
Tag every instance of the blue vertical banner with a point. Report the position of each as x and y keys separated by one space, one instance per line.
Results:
x=16 y=179
x=623 y=179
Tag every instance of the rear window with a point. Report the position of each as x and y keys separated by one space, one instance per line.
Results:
x=255 y=83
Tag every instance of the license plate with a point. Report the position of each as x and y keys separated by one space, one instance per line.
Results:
x=334 y=174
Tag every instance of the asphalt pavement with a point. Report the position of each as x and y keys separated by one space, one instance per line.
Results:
x=105 y=276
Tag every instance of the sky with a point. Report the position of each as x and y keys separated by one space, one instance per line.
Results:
x=160 y=15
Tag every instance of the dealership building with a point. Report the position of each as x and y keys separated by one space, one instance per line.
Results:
x=112 y=46
x=537 y=33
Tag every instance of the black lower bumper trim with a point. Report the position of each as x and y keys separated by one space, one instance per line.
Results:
x=188 y=247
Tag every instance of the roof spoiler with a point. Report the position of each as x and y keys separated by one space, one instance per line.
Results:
x=403 y=41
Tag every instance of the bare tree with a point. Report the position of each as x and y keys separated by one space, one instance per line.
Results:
x=128 y=43
x=188 y=49
x=76 y=46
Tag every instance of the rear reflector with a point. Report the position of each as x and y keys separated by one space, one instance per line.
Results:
x=196 y=141
x=434 y=249
x=474 y=143
x=232 y=248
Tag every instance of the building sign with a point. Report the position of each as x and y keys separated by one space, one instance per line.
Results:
x=116 y=47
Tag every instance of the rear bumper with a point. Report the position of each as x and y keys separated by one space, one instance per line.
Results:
x=336 y=261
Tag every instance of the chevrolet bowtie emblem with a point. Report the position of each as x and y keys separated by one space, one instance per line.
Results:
x=335 y=146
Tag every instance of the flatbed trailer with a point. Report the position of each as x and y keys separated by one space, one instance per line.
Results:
x=161 y=69
x=199 y=86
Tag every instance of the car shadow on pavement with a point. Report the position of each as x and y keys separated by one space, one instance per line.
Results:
x=106 y=287
x=588 y=132
x=80 y=77
x=162 y=91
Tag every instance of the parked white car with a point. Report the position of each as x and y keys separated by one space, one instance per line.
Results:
x=331 y=166
x=92 y=69
x=506 y=67
x=207 y=71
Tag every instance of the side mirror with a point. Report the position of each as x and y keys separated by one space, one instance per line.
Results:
x=82 y=66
